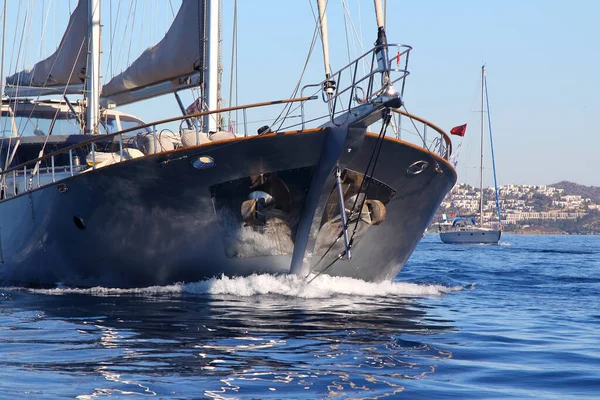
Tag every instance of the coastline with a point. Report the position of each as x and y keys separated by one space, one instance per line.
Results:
x=535 y=231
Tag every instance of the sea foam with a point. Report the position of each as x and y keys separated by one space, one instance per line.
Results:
x=323 y=286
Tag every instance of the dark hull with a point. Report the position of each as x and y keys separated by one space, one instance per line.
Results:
x=158 y=220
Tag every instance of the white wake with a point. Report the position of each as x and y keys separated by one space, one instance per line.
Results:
x=324 y=286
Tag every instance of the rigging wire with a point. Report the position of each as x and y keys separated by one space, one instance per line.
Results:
x=44 y=26
x=23 y=122
x=124 y=34
x=57 y=112
x=220 y=66
x=14 y=42
x=369 y=171
x=15 y=59
x=172 y=10
x=368 y=177
x=128 y=58
x=356 y=34
x=145 y=16
x=487 y=102
x=295 y=91
x=22 y=44
x=113 y=32
x=25 y=23
x=287 y=110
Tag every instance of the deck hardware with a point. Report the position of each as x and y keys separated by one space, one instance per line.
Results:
x=203 y=162
x=417 y=167
x=338 y=180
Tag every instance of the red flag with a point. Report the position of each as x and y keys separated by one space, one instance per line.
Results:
x=459 y=130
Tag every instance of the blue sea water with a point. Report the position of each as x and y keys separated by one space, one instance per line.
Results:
x=518 y=320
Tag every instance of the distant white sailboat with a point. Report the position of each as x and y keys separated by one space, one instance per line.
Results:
x=465 y=228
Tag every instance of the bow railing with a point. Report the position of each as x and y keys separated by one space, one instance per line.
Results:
x=363 y=79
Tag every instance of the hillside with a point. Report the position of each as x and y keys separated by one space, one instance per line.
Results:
x=564 y=207
x=591 y=192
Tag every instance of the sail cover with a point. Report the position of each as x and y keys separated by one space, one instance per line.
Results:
x=66 y=65
x=178 y=55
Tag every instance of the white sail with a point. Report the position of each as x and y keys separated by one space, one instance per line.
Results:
x=65 y=67
x=173 y=64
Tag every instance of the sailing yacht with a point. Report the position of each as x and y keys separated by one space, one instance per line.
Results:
x=465 y=228
x=91 y=196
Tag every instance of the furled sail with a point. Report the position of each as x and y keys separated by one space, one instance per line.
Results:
x=65 y=67
x=173 y=64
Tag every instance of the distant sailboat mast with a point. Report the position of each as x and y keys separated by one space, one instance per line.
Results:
x=481 y=152
x=487 y=108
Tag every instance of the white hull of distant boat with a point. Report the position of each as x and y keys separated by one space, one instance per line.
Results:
x=472 y=236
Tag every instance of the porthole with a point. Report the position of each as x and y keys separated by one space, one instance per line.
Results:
x=78 y=221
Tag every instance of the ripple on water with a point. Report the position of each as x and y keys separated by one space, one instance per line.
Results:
x=511 y=321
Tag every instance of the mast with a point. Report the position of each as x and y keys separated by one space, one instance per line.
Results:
x=329 y=85
x=382 y=52
x=92 y=82
x=489 y=117
x=481 y=152
x=211 y=75
x=379 y=14
x=324 y=35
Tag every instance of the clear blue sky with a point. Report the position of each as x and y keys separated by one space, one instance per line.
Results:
x=542 y=58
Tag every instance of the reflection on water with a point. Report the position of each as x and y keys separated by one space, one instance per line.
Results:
x=179 y=341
